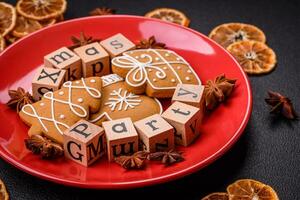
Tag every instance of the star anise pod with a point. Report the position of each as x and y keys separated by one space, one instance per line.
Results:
x=150 y=43
x=167 y=157
x=44 y=147
x=103 y=11
x=217 y=91
x=281 y=105
x=19 y=98
x=135 y=161
x=82 y=40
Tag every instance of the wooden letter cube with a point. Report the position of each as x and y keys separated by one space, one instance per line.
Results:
x=84 y=142
x=95 y=60
x=117 y=44
x=121 y=136
x=185 y=119
x=189 y=94
x=66 y=59
x=156 y=134
x=45 y=80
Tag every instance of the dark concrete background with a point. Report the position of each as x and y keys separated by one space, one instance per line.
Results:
x=268 y=151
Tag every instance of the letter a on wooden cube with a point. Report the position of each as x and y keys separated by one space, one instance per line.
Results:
x=156 y=134
x=84 y=142
x=117 y=44
x=121 y=136
x=66 y=59
x=95 y=60
x=45 y=80
x=185 y=119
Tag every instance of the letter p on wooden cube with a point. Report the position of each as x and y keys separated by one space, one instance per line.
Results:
x=84 y=142
x=95 y=60
x=66 y=59
x=156 y=134
x=122 y=138
x=186 y=121
x=117 y=44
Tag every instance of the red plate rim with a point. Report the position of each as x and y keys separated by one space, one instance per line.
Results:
x=150 y=181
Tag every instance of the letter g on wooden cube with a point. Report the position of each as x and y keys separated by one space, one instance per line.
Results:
x=84 y=142
x=122 y=138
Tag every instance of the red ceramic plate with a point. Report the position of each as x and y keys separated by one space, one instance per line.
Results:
x=220 y=130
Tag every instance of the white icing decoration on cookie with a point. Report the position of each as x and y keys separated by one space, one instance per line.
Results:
x=189 y=71
x=128 y=99
x=165 y=68
x=77 y=82
x=61 y=93
x=167 y=54
x=110 y=79
x=50 y=96
x=143 y=56
x=154 y=80
x=178 y=59
x=173 y=80
x=136 y=57
x=80 y=100
x=149 y=70
x=42 y=104
x=187 y=78
x=157 y=58
x=93 y=81
x=137 y=73
x=178 y=67
x=61 y=116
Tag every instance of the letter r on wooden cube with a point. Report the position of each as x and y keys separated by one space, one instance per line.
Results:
x=84 y=142
x=66 y=59
x=95 y=60
x=121 y=136
x=45 y=80
x=117 y=44
x=190 y=94
x=186 y=121
x=156 y=134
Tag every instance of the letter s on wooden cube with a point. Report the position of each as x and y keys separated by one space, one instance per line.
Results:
x=117 y=44
x=121 y=136
x=156 y=134
x=66 y=59
x=95 y=60
x=186 y=121
x=84 y=142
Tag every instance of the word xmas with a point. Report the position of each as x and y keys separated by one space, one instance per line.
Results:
x=85 y=61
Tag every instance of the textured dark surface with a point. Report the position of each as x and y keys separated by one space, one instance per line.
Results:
x=268 y=151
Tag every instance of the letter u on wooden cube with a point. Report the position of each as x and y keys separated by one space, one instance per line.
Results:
x=186 y=121
x=122 y=138
x=117 y=44
x=156 y=134
x=84 y=142
x=66 y=59
x=95 y=60
x=46 y=80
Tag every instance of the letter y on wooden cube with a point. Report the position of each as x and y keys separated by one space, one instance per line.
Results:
x=186 y=121
x=84 y=142
x=66 y=59
x=121 y=136
x=156 y=134
x=117 y=44
x=95 y=60
x=45 y=80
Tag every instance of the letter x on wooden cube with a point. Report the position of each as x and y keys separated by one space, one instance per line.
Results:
x=156 y=134
x=84 y=142
x=186 y=121
x=121 y=136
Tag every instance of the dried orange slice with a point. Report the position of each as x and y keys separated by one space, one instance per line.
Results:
x=48 y=22
x=41 y=9
x=10 y=39
x=216 y=196
x=7 y=18
x=248 y=189
x=2 y=43
x=229 y=33
x=254 y=57
x=24 y=26
x=3 y=192
x=169 y=14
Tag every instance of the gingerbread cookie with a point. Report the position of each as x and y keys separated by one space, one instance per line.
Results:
x=59 y=110
x=117 y=102
x=154 y=71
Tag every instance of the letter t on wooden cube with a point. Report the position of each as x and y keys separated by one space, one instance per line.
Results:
x=185 y=119
x=95 y=60
x=117 y=44
x=121 y=136
x=156 y=134
x=45 y=80
x=84 y=142
x=66 y=59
